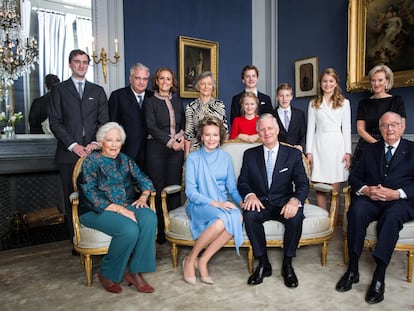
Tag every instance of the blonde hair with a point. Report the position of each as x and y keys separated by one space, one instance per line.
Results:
x=252 y=95
x=388 y=74
x=337 y=97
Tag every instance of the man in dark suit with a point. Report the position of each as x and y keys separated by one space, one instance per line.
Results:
x=382 y=186
x=38 y=109
x=250 y=76
x=76 y=110
x=274 y=185
x=125 y=107
x=291 y=120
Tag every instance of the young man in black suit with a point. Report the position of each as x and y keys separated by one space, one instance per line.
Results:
x=125 y=107
x=274 y=185
x=382 y=186
x=291 y=120
x=76 y=110
x=250 y=76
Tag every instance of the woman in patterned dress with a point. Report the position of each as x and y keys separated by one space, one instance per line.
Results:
x=205 y=105
x=109 y=204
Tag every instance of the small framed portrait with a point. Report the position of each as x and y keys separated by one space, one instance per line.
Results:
x=306 y=77
x=194 y=57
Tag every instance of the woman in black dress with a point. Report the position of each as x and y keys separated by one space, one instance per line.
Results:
x=165 y=119
x=371 y=109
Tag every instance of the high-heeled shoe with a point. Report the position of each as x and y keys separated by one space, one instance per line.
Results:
x=109 y=285
x=204 y=278
x=131 y=279
x=189 y=279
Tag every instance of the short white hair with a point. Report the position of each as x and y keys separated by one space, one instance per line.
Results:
x=100 y=135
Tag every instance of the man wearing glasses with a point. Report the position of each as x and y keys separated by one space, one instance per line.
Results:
x=126 y=107
x=76 y=110
x=382 y=186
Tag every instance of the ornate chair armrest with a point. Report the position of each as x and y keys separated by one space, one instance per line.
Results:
x=347 y=194
x=152 y=201
x=164 y=193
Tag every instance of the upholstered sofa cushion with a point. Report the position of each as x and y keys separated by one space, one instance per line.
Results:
x=406 y=234
x=91 y=238
x=315 y=224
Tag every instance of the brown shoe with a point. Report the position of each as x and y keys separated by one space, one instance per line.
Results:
x=109 y=285
x=138 y=281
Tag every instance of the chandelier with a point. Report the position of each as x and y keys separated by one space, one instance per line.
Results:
x=18 y=52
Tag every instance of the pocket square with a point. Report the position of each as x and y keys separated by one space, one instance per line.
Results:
x=262 y=103
x=91 y=98
x=283 y=170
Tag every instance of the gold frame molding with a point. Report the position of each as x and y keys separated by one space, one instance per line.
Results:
x=357 y=79
x=306 y=68
x=189 y=66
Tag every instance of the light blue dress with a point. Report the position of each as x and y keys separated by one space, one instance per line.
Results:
x=209 y=176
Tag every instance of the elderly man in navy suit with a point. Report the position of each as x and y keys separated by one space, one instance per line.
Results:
x=274 y=185
x=76 y=110
x=125 y=107
x=382 y=186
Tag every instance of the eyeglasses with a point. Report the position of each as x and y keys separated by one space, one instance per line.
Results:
x=392 y=126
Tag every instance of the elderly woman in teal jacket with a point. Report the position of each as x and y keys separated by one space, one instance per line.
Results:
x=109 y=204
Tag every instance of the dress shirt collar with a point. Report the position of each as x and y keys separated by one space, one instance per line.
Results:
x=254 y=91
x=138 y=94
x=275 y=150
x=75 y=81
x=395 y=146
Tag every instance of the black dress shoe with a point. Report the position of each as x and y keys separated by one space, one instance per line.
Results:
x=258 y=275
x=346 y=281
x=289 y=276
x=375 y=292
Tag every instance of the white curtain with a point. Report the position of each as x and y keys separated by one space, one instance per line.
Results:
x=58 y=35
x=84 y=36
x=52 y=37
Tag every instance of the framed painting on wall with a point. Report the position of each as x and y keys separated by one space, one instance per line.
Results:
x=380 y=32
x=306 y=77
x=194 y=57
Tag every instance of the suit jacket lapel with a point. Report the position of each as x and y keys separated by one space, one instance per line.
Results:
x=399 y=153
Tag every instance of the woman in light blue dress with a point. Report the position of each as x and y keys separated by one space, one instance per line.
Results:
x=210 y=181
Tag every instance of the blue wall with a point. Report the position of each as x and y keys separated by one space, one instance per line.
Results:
x=320 y=28
x=153 y=26
x=305 y=29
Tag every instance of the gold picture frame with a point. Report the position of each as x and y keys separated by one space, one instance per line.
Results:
x=194 y=57
x=306 y=77
x=377 y=34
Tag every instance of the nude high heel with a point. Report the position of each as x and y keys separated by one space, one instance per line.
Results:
x=205 y=279
x=189 y=279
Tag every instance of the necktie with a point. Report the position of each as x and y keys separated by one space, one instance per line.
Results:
x=140 y=101
x=80 y=89
x=270 y=165
x=388 y=154
x=287 y=121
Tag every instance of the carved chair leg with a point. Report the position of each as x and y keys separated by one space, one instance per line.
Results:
x=410 y=261
x=346 y=255
x=250 y=259
x=174 y=255
x=324 y=253
x=88 y=270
